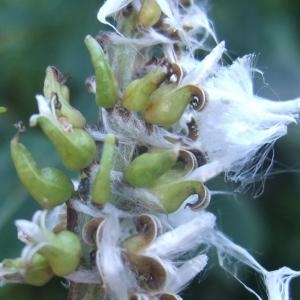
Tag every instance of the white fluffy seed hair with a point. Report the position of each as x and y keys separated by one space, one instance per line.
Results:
x=193 y=17
x=236 y=125
x=233 y=258
x=237 y=129
x=109 y=259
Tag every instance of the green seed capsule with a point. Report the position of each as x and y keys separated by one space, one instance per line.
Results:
x=172 y=195
x=106 y=86
x=184 y=165
x=144 y=170
x=48 y=186
x=76 y=148
x=62 y=251
x=2 y=109
x=65 y=92
x=168 y=103
x=137 y=94
x=149 y=14
x=59 y=94
x=101 y=189
x=37 y=272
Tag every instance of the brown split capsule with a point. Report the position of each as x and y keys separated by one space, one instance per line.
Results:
x=89 y=230
x=199 y=98
x=150 y=273
x=147 y=230
x=202 y=201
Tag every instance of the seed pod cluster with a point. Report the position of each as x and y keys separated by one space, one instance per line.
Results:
x=162 y=173
x=160 y=102
x=143 y=168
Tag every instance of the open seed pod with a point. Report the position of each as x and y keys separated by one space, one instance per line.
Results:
x=89 y=230
x=176 y=73
x=150 y=273
x=199 y=98
x=186 y=163
x=137 y=94
x=59 y=94
x=147 y=228
x=172 y=194
x=168 y=103
x=202 y=201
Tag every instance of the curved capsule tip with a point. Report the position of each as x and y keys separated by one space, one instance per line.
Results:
x=202 y=202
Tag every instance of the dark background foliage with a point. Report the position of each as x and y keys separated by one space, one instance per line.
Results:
x=37 y=33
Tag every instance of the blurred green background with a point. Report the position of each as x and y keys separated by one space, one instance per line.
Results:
x=34 y=34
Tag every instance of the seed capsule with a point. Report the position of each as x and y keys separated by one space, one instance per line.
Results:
x=149 y=14
x=168 y=103
x=146 y=168
x=106 y=86
x=76 y=148
x=2 y=109
x=137 y=94
x=101 y=190
x=150 y=273
x=62 y=251
x=89 y=230
x=185 y=164
x=65 y=91
x=147 y=228
x=37 y=272
x=59 y=95
x=48 y=186
x=172 y=195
